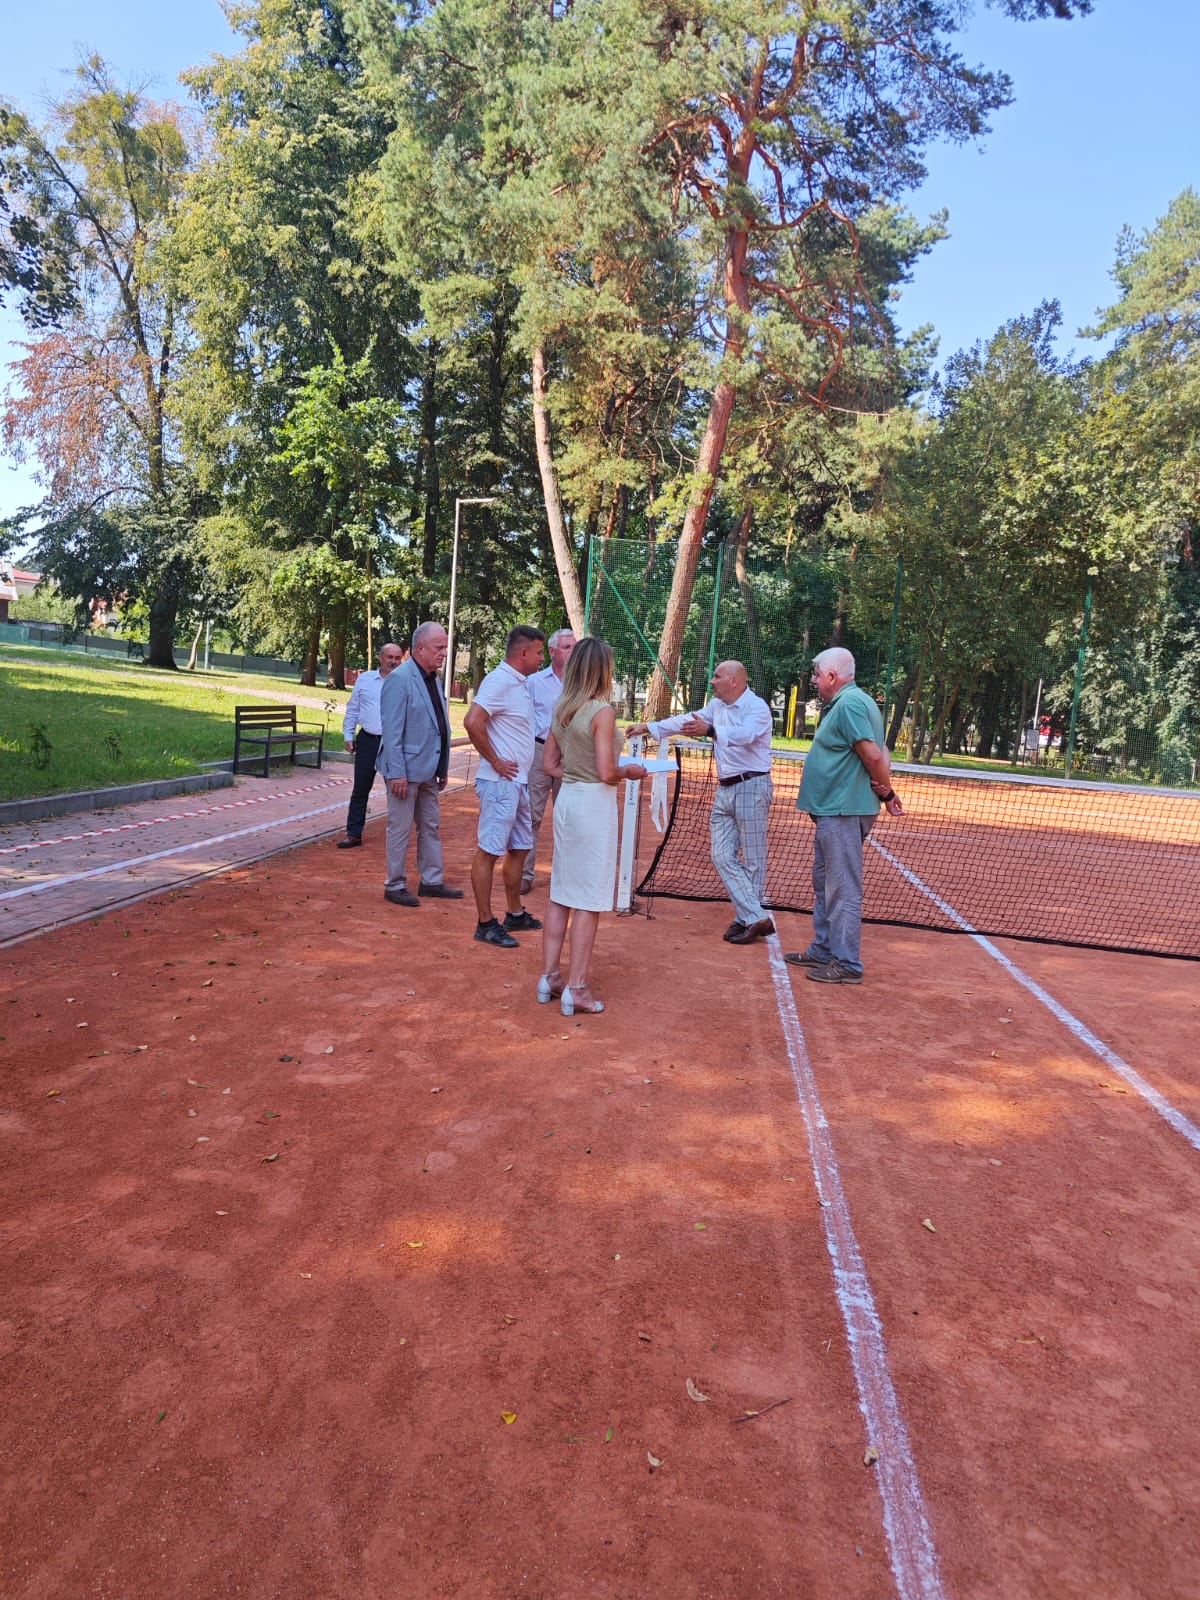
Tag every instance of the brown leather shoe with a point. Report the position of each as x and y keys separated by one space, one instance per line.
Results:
x=733 y=930
x=352 y=841
x=756 y=930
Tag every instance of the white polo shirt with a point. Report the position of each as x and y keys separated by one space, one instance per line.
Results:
x=504 y=695
x=544 y=689
x=362 y=709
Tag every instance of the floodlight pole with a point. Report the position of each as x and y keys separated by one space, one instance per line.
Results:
x=480 y=500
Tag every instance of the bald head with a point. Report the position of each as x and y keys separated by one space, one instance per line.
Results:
x=729 y=681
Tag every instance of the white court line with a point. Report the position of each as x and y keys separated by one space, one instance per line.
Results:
x=176 y=816
x=175 y=850
x=1182 y=1125
x=911 y=1548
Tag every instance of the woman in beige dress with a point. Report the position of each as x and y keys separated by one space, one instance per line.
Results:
x=582 y=749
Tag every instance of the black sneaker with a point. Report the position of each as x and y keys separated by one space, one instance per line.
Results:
x=520 y=922
x=833 y=972
x=492 y=933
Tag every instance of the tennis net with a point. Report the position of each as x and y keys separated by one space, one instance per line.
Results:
x=1106 y=866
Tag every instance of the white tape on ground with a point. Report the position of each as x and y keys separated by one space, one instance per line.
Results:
x=1169 y=1113
x=162 y=855
x=910 y=1540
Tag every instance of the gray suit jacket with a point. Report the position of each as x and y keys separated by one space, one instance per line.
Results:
x=412 y=742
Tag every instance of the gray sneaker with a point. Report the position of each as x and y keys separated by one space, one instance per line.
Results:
x=833 y=972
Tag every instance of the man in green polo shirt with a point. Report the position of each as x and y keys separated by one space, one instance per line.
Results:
x=847 y=774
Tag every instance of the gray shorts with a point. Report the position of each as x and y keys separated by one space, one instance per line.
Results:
x=505 y=822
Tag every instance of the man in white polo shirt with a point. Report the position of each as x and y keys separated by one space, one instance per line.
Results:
x=361 y=729
x=500 y=726
x=544 y=689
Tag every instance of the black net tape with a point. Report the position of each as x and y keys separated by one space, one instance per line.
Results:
x=1104 y=866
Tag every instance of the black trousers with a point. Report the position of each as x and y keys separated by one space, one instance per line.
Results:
x=366 y=748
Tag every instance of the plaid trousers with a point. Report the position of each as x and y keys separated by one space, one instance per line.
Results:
x=738 y=827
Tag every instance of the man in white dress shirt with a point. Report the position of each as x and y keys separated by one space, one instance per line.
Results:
x=740 y=724
x=361 y=730
x=500 y=726
x=544 y=689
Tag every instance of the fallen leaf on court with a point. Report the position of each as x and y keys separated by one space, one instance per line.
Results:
x=81 y=1024
x=306 y=1274
x=267 y=1115
x=207 y=984
x=191 y=1040
x=203 y=1139
x=191 y=1113
x=416 y=1244
x=993 y=1161
x=50 y=1093
x=509 y=1416
x=274 y=1157
x=508 y=1321
x=436 y=1091
x=925 y=1223
x=1003 y=1019
x=222 y=1213
x=160 y=1416
x=141 y=1047
x=226 y=1091
x=1031 y=1338
x=871 y=1456
x=694 y=1393
x=655 y=1461
x=509 y=1167
x=699 y=1226
x=328 y=1049
x=645 y=1336
x=287 y=1058
x=608 y=1436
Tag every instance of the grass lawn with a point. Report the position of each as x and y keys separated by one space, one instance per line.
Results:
x=118 y=722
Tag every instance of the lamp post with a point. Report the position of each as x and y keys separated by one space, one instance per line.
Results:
x=481 y=500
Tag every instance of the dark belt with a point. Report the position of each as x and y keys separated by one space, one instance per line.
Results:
x=742 y=777
x=536 y=740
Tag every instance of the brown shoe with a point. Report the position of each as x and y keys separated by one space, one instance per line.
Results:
x=756 y=930
x=439 y=891
x=352 y=841
x=804 y=958
x=401 y=897
x=732 y=931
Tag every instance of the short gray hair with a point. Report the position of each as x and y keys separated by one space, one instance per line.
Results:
x=559 y=633
x=421 y=632
x=837 y=660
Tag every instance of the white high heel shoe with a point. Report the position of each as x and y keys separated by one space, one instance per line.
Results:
x=571 y=1002
x=546 y=990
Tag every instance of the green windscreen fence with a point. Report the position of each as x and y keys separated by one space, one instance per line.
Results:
x=964 y=679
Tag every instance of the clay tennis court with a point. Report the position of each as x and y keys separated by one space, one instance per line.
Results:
x=335 y=1266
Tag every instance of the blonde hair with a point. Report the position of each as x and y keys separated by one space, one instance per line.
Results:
x=588 y=676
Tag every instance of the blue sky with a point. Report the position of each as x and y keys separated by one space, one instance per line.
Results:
x=1103 y=132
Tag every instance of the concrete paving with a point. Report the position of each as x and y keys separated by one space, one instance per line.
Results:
x=65 y=869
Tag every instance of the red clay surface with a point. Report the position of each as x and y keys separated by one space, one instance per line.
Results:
x=228 y=1375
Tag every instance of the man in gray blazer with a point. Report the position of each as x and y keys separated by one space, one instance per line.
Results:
x=414 y=760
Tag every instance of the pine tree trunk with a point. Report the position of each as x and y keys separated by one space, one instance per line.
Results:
x=312 y=653
x=708 y=463
x=564 y=558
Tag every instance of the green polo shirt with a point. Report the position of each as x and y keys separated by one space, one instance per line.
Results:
x=834 y=782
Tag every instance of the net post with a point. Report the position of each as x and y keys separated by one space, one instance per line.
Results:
x=1069 y=759
x=587 y=599
x=629 y=828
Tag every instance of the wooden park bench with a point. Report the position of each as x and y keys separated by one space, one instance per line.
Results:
x=274 y=728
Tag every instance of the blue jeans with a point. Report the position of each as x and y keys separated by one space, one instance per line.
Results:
x=837 y=889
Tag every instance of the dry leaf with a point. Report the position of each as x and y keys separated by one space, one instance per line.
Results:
x=644 y=1336
x=435 y=1091
x=328 y=1049
x=925 y=1223
x=655 y=1461
x=416 y=1244
x=306 y=1274
x=693 y=1392
x=275 y=1157
x=509 y=1416
x=871 y=1456
x=222 y=1213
